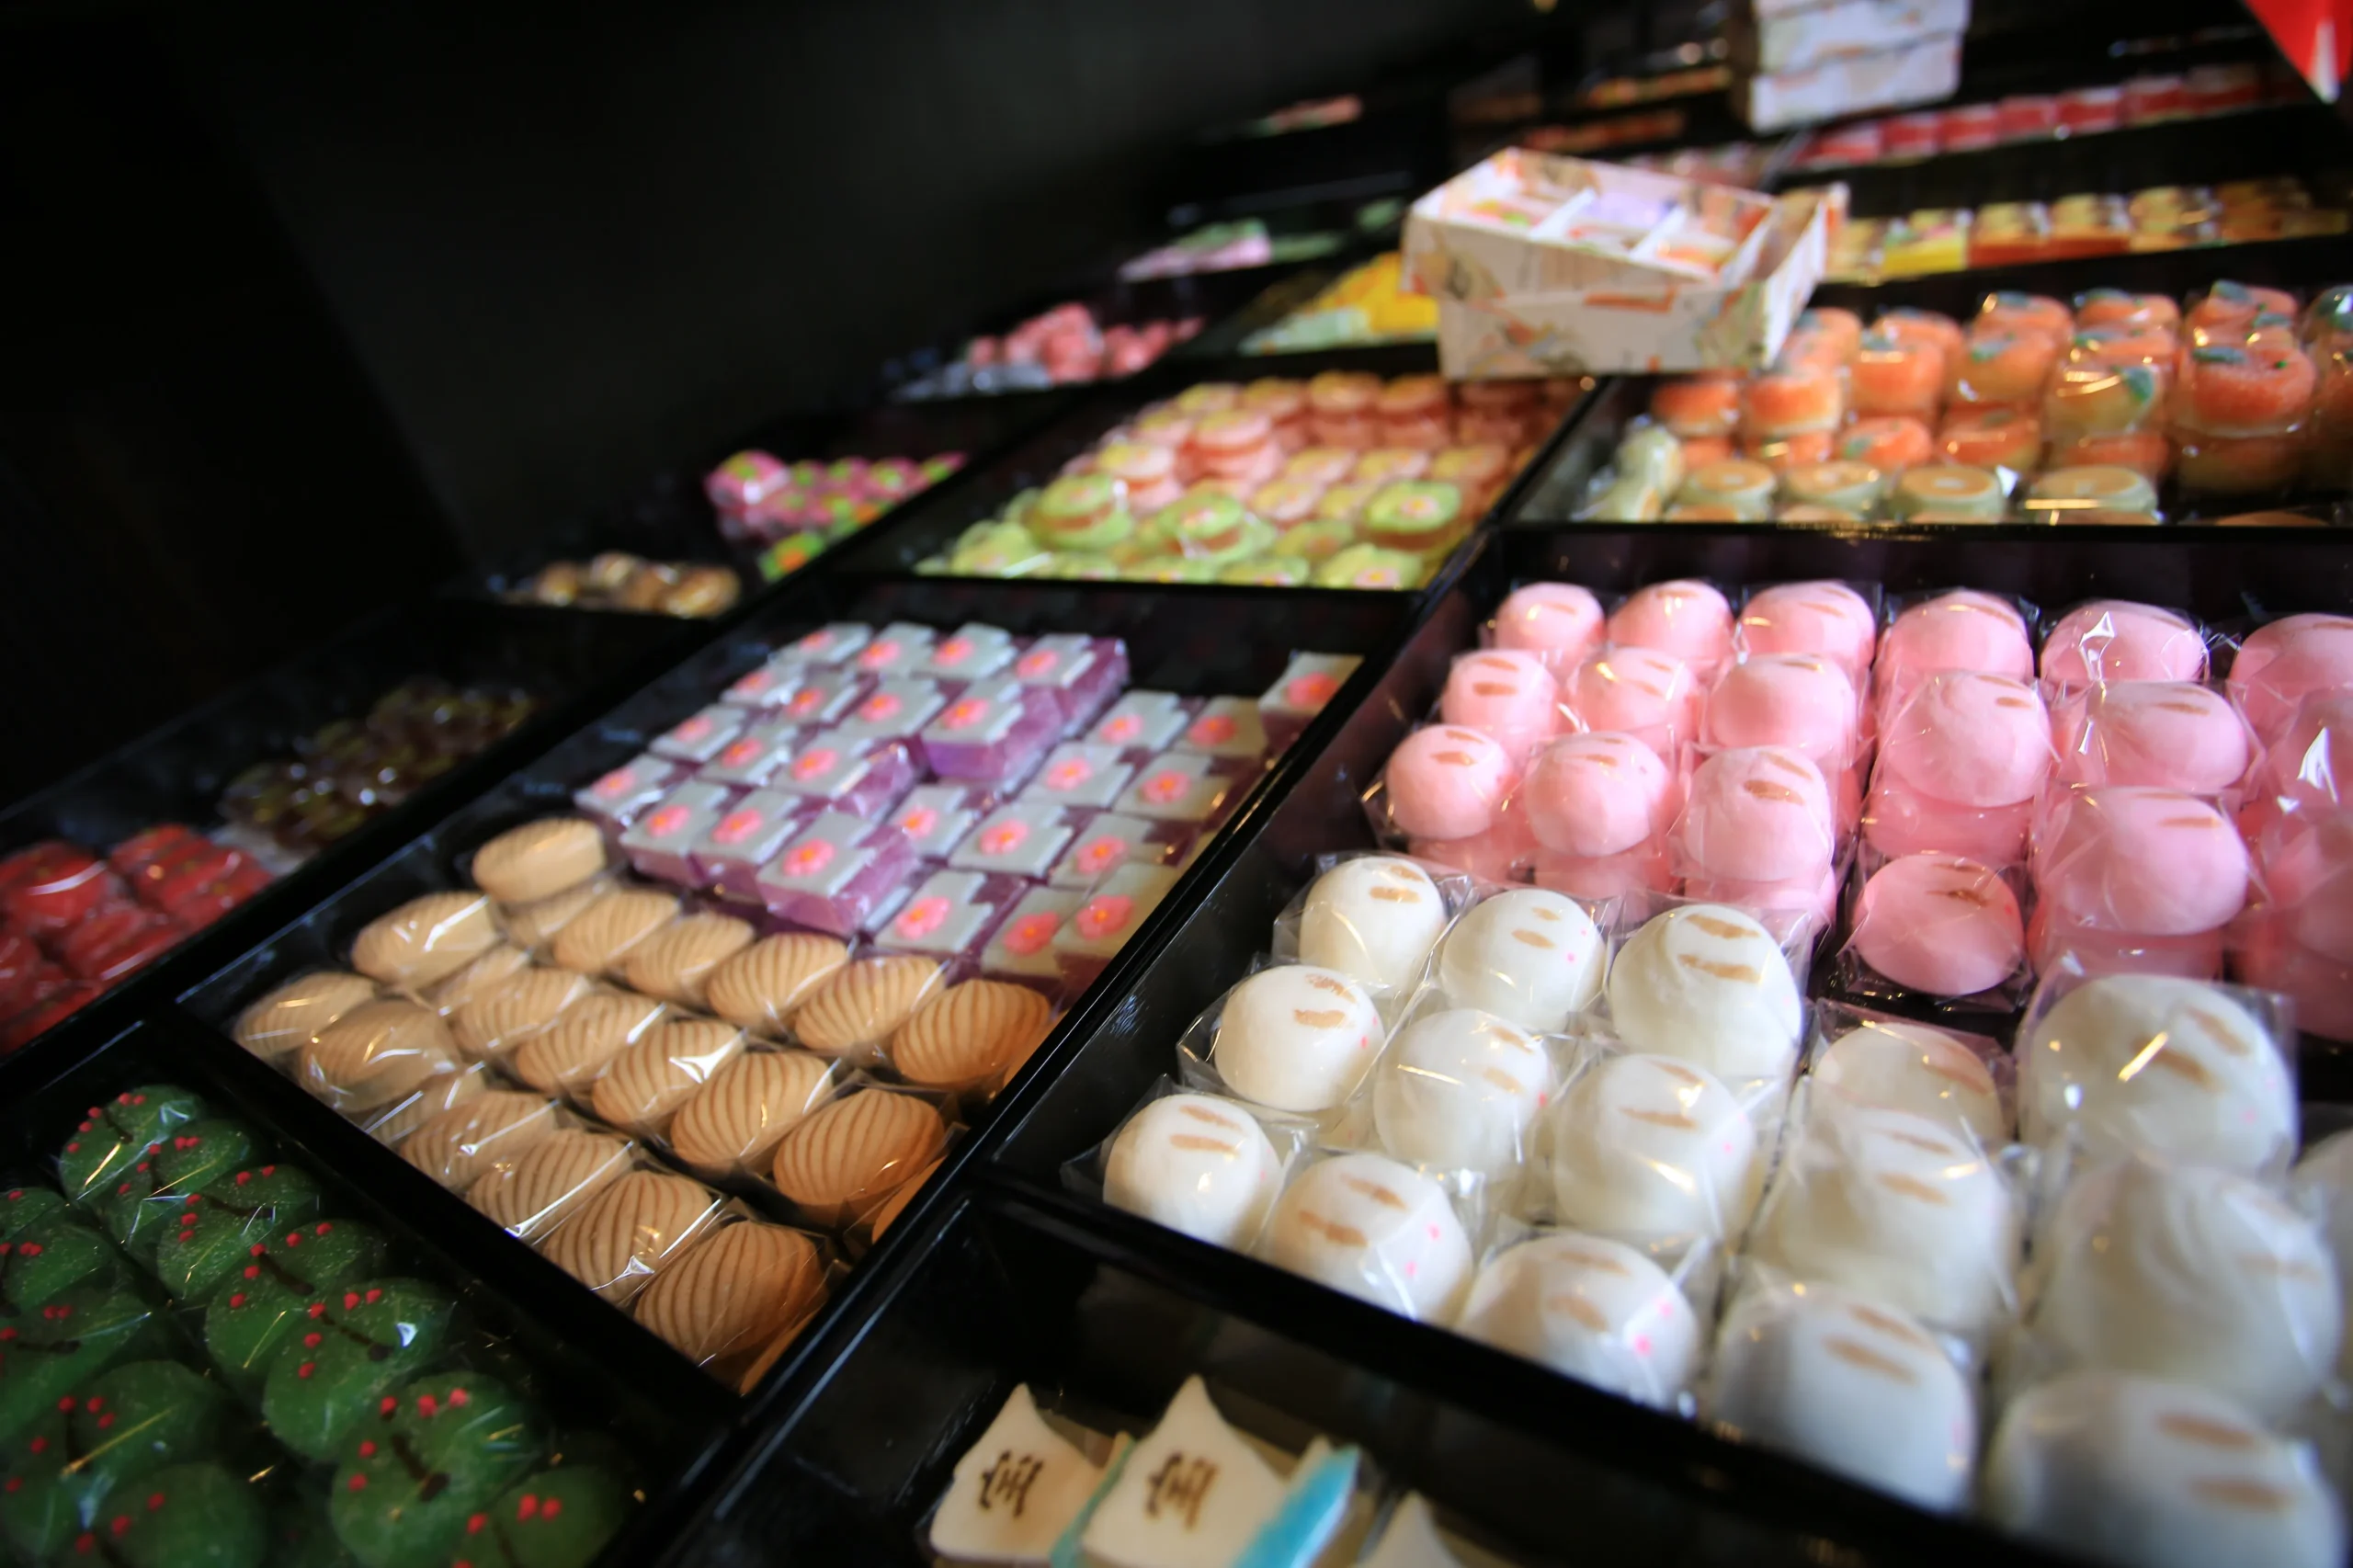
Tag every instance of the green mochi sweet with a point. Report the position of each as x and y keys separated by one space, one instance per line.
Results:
x=256 y=1309
x=215 y=1229
x=40 y=1514
x=147 y=1200
x=27 y=1203
x=51 y=1257
x=425 y=1462
x=138 y=1418
x=558 y=1518
x=186 y=1515
x=116 y=1135
x=49 y=1351
x=350 y=1349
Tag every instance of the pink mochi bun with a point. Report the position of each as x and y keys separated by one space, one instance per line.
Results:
x=1969 y=739
x=2310 y=766
x=1960 y=630
x=1803 y=701
x=1641 y=869
x=1589 y=796
x=1558 y=622
x=1635 y=691
x=1510 y=696
x=2309 y=870
x=1940 y=923
x=1897 y=820
x=2161 y=733
x=1826 y=619
x=1687 y=619
x=2320 y=987
x=2144 y=862
x=2280 y=665
x=2112 y=640
x=1446 y=782
x=1757 y=814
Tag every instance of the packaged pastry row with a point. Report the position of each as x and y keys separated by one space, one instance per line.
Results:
x=2037 y=409
x=2069 y=1284
x=1067 y=344
x=760 y=497
x=1340 y=481
x=208 y=1361
x=620 y=581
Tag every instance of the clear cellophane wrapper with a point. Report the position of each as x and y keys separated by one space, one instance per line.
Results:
x=844 y=1160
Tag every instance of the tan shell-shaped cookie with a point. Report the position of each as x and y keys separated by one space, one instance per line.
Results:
x=759 y=987
x=496 y=1128
x=734 y=1292
x=534 y=924
x=376 y=1052
x=392 y=1122
x=625 y=1234
x=536 y=1193
x=502 y=964
x=972 y=1033
x=864 y=1005
x=287 y=1018
x=674 y=962
x=649 y=1080
x=841 y=1158
x=425 y=940
x=567 y=1055
x=736 y=1118
x=593 y=941
x=515 y=1011
x=540 y=859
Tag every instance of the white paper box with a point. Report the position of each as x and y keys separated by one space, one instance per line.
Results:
x=1774 y=41
x=1918 y=73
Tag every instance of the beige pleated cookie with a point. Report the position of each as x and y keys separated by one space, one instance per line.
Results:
x=376 y=1052
x=594 y=940
x=496 y=1128
x=515 y=1011
x=674 y=962
x=735 y=1120
x=285 y=1020
x=394 y=1121
x=896 y=1204
x=970 y=1034
x=734 y=1292
x=540 y=859
x=538 y=1192
x=649 y=1080
x=534 y=924
x=625 y=1235
x=759 y=987
x=863 y=1005
x=500 y=964
x=564 y=1058
x=425 y=940
x=845 y=1156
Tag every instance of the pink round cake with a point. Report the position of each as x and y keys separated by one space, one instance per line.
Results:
x=2164 y=734
x=2280 y=665
x=1898 y=821
x=1636 y=691
x=1827 y=619
x=2309 y=767
x=1447 y=781
x=1595 y=795
x=2112 y=640
x=1940 y=923
x=1757 y=814
x=1961 y=631
x=1689 y=619
x=2320 y=987
x=1969 y=739
x=2144 y=862
x=1558 y=622
x=2308 y=870
x=1507 y=694
x=1803 y=701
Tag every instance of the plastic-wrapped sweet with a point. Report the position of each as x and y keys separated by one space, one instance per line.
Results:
x=1459 y=1090
x=1654 y=1151
x=1939 y=924
x=1707 y=984
x=2144 y=1473
x=1899 y=1209
x=1375 y=918
x=1969 y=739
x=1591 y=1309
x=2113 y=639
x=1850 y=1384
x=1589 y=798
x=425 y=940
x=1911 y=1067
x=2140 y=862
x=1803 y=702
x=1824 y=619
x=1509 y=696
x=1530 y=957
x=1558 y=622
x=1758 y=814
x=831 y=875
x=1445 y=782
x=2285 y=661
x=1297 y=1038
x=1196 y=1163
x=1370 y=1228
x=1689 y=620
x=2309 y=863
x=2127 y=1064
x=2163 y=735
x=1640 y=692
x=2190 y=1273
x=1959 y=631
x=2298 y=775
x=2320 y=986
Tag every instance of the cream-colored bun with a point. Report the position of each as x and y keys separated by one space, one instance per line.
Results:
x=515 y=1011
x=653 y=1078
x=425 y=940
x=676 y=961
x=596 y=940
x=1374 y=919
x=535 y=925
x=1710 y=985
x=536 y=1193
x=896 y=1204
x=863 y=1006
x=376 y=1054
x=759 y=987
x=732 y=1292
x=289 y=1018
x=485 y=974
x=455 y=1147
x=567 y=1055
x=626 y=1233
x=389 y=1123
x=540 y=859
x=736 y=1118
x=845 y=1156
x=972 y=1033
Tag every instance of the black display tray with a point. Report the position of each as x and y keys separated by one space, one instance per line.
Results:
x=574 y=664
x=669 y=1419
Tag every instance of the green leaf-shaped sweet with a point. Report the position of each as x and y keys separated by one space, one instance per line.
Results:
x=53 y=1256
x=147 y=1200
x=424 y=1461
x=49 y=1351
x=142 y=1415
x=558 y=1518
x=116 y=1135
x=183 y=1515
x=40 y=1514
x=357 y=1346
x=27 y=1203
x=215 y=1230
x=257 y=1309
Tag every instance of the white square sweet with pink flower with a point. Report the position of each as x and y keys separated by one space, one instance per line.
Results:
x=1076 y=774
x=899 y=648
x=1112 y=910
x=1022 y=839
x=703 y=737
x=1228 y=727
x=1177 y=786
x=1143 y=720
x=894 y=709
x=1023 y=947
x=827 y=644
x=947 y=913
x=819 y=697
x=936 y=817
x=969 y=652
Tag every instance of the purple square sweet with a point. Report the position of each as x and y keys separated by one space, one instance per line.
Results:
x=1307 y=684
x=660 y=844
x=1083 y=673
x=894 y=710
x=816 y=696
x=701 y=737
x=765 y=686
x=616 y=799
x=1079 y=775
x=995 y=732
x=1145 y=723
x=950 y=914
x=936 y=817
x=832 y=873
x=1022 y=947
x=849 y=773
x=1181 y=786
x=899 y=648
x=828 y=644
x=1227 y=727
x=1022 y=840
x=971 y=653
x=752 y=759
x=1107 y=841
x=1111 y=914
x=736 y=842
